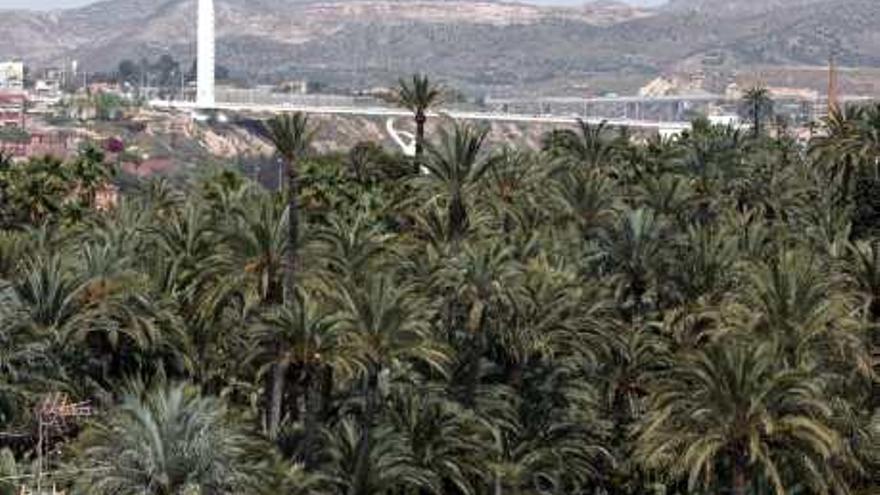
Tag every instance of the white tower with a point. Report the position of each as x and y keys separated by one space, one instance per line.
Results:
x=205 y=70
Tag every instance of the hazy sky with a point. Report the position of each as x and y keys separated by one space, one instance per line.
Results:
x=56 y=4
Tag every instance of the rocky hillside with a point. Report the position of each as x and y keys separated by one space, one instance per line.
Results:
x=476 y=44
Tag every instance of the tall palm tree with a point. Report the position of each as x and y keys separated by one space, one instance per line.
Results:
x=515 y=178
x=350 y=249
x=585 y=200
x=181 y=245
x=734 y=405
x=382 y=324
x=445 y=441
x=484 y=276
x=418 y=95
x=794 y=300
x=40 y=189
x=837 y=148
x=759 y=106
x=456 y=163
x=863 y=270
x=90 y=171
x=27 y=363
x=5 y=176
x=246 y=270
x=168 y=440
x=589 y=146
x=292 y=136
x=388 y=467
x=8 y=470
x=631 y=252
x=295 y=340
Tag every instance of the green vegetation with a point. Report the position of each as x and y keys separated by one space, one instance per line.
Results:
x=690 y=316
x=758 y=107
x=14 y=135
x=47 y=188
x=418 y=96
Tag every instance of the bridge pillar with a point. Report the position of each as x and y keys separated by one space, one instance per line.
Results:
x=206 y=51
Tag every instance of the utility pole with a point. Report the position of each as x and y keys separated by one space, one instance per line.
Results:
x=833 y=104
x=24 y=106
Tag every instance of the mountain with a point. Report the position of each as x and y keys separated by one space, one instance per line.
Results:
x=476 y=44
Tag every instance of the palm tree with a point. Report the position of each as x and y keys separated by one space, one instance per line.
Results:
x=91 y=172
x=292 y=136
x=631 y=252
x=382 y=324
x=168 y=440
x=704 y=264
x=484 y=275
x=49 y=293
x=297 y=340
x=456 y=164
x=863 y=270
x=181 y=245
x=549 y=316
x=515 y=178
x=759 y=106
x=445 y=441
x=27 y=365
x=794 y=300
x=387 y=467
x=13 y=247
x=39 y=189
x=5 y=177
x=246 y=271
x=666 y=194
x=585 y=201
x=418 y=95
x=123 y=324
x=734 y=405
x=350 y=249
x=837 y=148
x=9 y=471
x=589 y=146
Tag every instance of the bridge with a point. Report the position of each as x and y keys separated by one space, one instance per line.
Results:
x=206 y=99
x=389 y=112
x=670 y=112
x=405 y=140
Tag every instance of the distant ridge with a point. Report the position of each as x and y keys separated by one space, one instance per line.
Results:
x=475 y=44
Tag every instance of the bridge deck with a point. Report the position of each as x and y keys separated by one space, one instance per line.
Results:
x=394 y=112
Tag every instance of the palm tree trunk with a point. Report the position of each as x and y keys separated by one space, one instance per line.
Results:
x=515 y=375
x=421 y=118
x=326 y=391
x=276 y=398
x=473 y=379
x=458 y=218
x=756 y=118
x=293 y=231
x=362 y=466
x=311 y=418
x=738 y=482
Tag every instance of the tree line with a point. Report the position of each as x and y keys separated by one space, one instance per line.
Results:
x=604 y=315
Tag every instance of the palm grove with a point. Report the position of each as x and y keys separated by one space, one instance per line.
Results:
x=687 y=316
